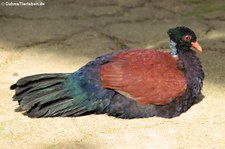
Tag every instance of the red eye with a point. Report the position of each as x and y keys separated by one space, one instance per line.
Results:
x=187 y=38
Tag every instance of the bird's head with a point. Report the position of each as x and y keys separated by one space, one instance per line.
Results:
x=184 y=37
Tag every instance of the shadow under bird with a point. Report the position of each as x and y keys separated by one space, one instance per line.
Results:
x=132 y=83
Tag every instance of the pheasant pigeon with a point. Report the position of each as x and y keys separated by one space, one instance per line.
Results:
x=132 y=83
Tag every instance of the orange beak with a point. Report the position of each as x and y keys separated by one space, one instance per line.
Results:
x=197 y=46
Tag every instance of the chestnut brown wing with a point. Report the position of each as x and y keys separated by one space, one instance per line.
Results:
x=149 y=77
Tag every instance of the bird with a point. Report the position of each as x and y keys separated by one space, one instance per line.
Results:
x=129 y=83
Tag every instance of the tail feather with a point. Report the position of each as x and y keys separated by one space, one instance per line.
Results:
x=75 y=112
x=44 y=85
x=71 y=111
x=29 y=101
x=54 y=109
x=37 y=94
x=22 y=89
x=44 y=95
x=39 y=77
x=64 y=112
x=33 y=86
x=35 y=83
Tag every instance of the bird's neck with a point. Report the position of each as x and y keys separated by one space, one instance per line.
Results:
x=173 y=48
x=193 y=70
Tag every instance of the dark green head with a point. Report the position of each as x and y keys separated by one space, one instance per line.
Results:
x=184 y=37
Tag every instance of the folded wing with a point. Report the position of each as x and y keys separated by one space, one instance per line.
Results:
x=147 y=76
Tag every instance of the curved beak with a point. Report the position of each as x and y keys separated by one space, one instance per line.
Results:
x=196 y=46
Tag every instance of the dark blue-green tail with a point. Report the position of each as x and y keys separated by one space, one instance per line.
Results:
x=71 y=94
x=64 y=94
x=42 y=95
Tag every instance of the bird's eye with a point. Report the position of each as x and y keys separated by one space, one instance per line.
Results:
x=187 y=37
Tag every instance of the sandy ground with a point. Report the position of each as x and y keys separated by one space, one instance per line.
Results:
x=64 y=35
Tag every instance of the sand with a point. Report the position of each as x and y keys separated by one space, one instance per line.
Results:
x=64 y=35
